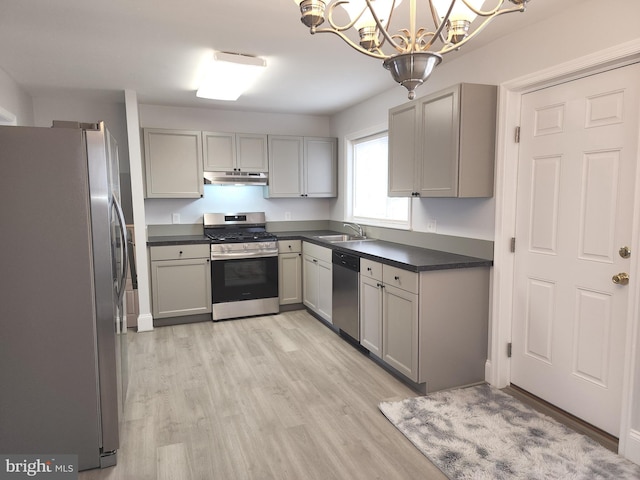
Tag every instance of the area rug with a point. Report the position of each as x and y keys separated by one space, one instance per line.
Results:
x=479 y=433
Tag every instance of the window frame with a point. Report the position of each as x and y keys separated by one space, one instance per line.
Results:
x=350 y=142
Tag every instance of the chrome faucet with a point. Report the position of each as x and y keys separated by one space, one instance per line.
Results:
x=356 y=228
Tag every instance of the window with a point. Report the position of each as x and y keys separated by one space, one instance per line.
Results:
x=369 y=170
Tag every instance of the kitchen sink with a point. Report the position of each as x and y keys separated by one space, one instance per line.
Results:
x=341 y=238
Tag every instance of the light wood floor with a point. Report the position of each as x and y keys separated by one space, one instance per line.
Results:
x=275 y=397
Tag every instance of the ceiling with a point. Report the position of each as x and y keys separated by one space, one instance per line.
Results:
x=157 y=48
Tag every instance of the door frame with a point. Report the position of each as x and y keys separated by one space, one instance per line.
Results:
x=498 y=367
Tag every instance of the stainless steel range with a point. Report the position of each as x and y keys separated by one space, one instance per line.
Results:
x=244 y=265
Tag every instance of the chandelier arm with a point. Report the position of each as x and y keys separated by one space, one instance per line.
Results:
x=384 y=39
x=334 y=25
x=447 y=49
x=404 y=39
x=428 y=43
x=439 y=25
x=383 y=29
x=481 y=12
x=353 y=45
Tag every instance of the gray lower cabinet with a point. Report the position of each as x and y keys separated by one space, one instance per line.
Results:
x=400 y=330
x=317 y=280
x=180 y=280
x=430 y=326
x=371 y=314
x=453 y=331
x=290 y=272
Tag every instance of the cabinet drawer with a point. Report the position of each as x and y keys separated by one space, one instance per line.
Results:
x=289 y=246
x=370 y=269
x=400 y=278
x=316 y=251
x=179 y=252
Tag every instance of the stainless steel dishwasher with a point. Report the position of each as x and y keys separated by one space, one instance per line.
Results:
x=345 y=293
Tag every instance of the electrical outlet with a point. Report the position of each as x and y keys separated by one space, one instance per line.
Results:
x=431 y=226
x=175 y=218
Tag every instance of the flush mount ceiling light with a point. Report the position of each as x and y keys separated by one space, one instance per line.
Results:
x=412 y=53
x=229 y=75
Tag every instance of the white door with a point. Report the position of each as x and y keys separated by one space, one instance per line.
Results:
x=576 y=174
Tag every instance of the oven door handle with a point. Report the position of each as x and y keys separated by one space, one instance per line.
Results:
x=238 y=255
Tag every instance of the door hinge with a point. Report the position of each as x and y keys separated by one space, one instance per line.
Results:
x=517 y=135
x=509 y=349
x=513 y=244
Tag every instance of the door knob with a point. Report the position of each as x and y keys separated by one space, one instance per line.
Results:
x=625 y=252
x=620 y=278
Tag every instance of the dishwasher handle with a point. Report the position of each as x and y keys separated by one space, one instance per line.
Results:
x=346 y=260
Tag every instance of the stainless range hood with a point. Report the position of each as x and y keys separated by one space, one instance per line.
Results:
x=235 y=178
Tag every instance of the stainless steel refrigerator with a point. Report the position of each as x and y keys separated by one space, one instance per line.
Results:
x=63 y=263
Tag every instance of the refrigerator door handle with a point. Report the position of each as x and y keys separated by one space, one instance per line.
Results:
x=123 y=234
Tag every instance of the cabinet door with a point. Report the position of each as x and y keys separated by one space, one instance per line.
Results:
x=439 y=131
x=173 y=163
x=403 y=122
x=400 y=331
x=285 y=166
x=290 y=278
x=251 y=153
x=181 y=287
x=320 y=165
x=371 y=315
x=219 y=152
x=310 y=282
x=325 y=282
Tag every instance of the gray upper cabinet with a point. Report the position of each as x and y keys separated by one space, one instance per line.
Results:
x=302 y=166
x=320 y=166
x=443 y=144
x=235 y=152
x=173 y=163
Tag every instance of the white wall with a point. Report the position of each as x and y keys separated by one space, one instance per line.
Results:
x=80 y=107
x=15 y=100
x=74 y=106
x=557 y=40
x=227 y=198
x=218 y=198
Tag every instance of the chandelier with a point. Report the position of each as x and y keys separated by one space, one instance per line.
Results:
x=411 y=53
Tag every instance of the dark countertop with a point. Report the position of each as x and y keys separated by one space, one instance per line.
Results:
x=415 y=259
x=160 y=241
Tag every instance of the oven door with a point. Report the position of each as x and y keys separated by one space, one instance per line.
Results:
x=239 y=279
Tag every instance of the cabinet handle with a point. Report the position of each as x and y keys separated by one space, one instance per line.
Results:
x=396 y=278
x=368 y=269
x=180 y=252
x=315 y=261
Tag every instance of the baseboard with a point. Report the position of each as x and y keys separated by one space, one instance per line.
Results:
x=632 y=446
x=488 y=374
x=145 y=322
x=291 y=307
x=165 y=322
